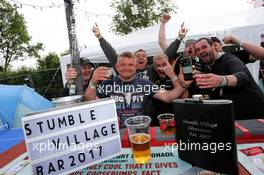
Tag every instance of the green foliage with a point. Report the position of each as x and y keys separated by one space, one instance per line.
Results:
x=49 y=61
x=43 y=78
x=66 y=52
x=48 y=72
x=14 y=38
x=132 y=15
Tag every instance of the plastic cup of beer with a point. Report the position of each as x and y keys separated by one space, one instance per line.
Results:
x=139 y=137
x=167 y=123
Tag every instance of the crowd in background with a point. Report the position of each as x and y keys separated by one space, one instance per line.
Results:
x=142 y=88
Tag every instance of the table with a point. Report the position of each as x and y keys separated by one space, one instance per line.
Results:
x=158 y=143
x=247 y=131
x=11 y=145
x=166 y=164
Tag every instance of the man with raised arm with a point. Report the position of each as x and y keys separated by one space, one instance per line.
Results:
x=129 y=92
x=111 y=55
x=256 y=51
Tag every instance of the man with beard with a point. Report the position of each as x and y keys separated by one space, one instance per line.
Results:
x=129 y=92
x=197 y=64
x=229 y=79
x=111 y=55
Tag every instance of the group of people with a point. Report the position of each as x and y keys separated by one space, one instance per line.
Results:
x=142 y=88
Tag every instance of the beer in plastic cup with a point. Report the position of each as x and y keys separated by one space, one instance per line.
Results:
x=167 y=123
x=139 y=137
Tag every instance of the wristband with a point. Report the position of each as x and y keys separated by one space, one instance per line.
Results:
x=224 y=81
x=92 y=85
x=239 y=43
x=174 y=78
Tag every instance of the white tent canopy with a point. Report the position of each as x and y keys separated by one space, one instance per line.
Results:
x=247 y=26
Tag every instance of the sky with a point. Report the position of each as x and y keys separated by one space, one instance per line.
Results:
x=48 y=25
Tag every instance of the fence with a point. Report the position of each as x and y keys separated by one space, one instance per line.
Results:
x=47 y=83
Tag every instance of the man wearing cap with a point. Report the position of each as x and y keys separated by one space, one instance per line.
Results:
x=217 y=43
x=189 y=51
x=171 y=50
x=87 y=68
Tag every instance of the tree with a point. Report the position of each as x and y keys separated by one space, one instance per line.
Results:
x=66 y=52
x=49 y=61
x=132 y=15
x=14 y=37
x=48 y=76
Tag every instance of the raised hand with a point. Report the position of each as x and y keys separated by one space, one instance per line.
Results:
x=169 y=70
x=101 y=73
x=70 y=75
x=183 y=31
x=165 y=18
x=229 y=39
x=96 y=31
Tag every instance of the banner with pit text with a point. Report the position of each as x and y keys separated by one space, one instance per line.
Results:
x=70 y=138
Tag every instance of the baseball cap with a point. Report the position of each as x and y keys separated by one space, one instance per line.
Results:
x=189 y=41
x=84 y=61
x=215 y=39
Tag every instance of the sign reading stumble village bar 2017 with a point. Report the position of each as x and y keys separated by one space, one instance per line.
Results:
x=70 y=138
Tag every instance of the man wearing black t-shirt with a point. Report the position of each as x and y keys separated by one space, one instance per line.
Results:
x=229 y=79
